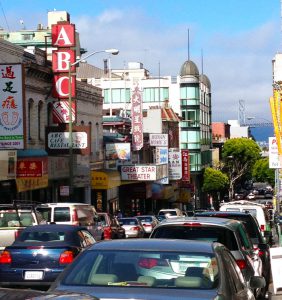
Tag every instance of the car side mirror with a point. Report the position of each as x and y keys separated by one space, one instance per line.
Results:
x=257 y=282
x=263 y=246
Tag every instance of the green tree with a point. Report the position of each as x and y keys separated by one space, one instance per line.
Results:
x=239 y=155
x=262 y=173
x=214 y=182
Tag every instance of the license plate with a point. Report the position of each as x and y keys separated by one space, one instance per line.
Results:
x=33 y=275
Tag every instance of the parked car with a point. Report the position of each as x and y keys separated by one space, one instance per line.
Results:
x=252 y=228
x=160 y=218
x=20 y=294
x=16 y=216
x=230 y=233
x=149 y=222
x=259 y=211
x=171 y=212
x=80 y=214
x=41 y=253
x=111 y=227
x=157 y=269
x=133 y=227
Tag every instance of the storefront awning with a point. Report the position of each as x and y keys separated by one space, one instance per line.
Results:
x=104 y=179
x=32 y=153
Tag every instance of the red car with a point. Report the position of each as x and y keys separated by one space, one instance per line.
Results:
x=111 y=227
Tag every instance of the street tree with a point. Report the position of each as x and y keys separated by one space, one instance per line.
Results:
x=262 y=173
x=239 y=155
x=214 y=182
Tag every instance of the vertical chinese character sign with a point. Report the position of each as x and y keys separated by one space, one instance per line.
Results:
x=12 y=106
x=185 y=165
x=137 y=119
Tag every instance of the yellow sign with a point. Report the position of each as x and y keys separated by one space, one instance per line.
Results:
x=104 y=180
x=32 y=183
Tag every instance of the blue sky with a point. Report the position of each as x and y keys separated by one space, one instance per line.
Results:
x=238 y=39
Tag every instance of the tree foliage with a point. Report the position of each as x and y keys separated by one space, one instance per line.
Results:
x=214 y=183
x=240 y=155
x=262 y=173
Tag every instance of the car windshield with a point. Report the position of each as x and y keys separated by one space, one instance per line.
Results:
x=144 y=269
x=128 y=221
x=42 y=236
x=200 y=233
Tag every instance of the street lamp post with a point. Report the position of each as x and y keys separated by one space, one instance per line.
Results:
x=110 y=51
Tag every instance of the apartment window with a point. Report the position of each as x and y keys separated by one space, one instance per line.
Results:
x=39 y=120
x=27 y=37
x=118 y=96
x=189 y=95
x=155 y=94
x=190 y=118
x=195 y=162
x=191 y=139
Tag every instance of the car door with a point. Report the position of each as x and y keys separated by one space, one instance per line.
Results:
x=238 y=289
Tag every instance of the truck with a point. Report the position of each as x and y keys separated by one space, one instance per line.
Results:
x=14 y=217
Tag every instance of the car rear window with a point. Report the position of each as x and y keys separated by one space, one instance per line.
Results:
x=45 y=212
x=128 y=221
x=144 y=269
x=62 y=214
x=169 y=212
x=145 y=219
x=202 y=233
x=42 y=236
x=13 y=219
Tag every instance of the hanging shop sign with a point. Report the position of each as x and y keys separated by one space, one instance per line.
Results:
x=119 y=151
x=174 y=164
x=137 y=119
x=63 y=59
x=12 y=128
x=29 y=168
x=8 y=163
x=143 y=172
x=185 y=165
x=57 y=140
x=274 y=162
x=158 y=139
x=33 y=183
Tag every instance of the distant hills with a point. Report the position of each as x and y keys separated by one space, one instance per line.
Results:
x=262 y=134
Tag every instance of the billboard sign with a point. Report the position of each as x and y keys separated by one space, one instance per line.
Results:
x=137 y=119
x=11 y=107
x=185 y=165
x=174 y=164
x=158 y=139
x=118 y=151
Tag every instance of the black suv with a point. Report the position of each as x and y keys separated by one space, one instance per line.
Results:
x=252 y=227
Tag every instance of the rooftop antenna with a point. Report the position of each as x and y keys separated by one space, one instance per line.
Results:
x=3 y=12
x=189 y=44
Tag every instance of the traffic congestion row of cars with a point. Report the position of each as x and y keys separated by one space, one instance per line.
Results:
x=212 y=254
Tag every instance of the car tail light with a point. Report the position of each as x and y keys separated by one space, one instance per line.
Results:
x=136 y=228
x=5 y=257
x=262 y=227
x=66 y=257
x=241 y=264
x=149 y=263
x=17 y=233
x=192 y=224
x=107 y=233
x=74 y=217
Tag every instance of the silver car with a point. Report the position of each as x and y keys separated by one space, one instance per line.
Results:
x=148 y=222
x=133 y=227
x=154 y=269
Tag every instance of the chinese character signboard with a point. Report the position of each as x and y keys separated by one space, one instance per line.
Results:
x=174 y=164
x=63 y=58
x=12 y=107
x=185 y=165
x=137 y=119
x=29 y=168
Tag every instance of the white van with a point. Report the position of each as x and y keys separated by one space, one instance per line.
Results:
x=259 y=211
x=80 y=214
